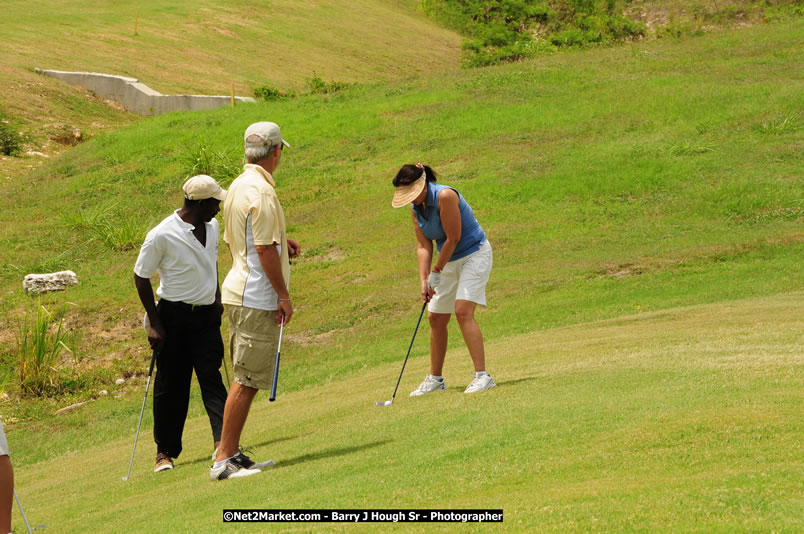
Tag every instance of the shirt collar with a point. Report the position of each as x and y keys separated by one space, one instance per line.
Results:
x=182 y=224
x=262 y=172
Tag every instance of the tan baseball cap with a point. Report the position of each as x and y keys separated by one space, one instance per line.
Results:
x=405 y=194
x=267 y=133
x=202 y=187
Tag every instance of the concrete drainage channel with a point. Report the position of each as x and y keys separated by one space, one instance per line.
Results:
x=138 y=97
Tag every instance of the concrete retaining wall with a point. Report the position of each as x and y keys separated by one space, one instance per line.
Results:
x=137 y=97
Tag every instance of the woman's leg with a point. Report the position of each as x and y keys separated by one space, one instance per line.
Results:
x=465 y=314
x=438 y=341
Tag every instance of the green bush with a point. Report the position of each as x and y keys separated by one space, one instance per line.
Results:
x=268 y=93
x=11 y=140
x=317 y=85
x=503 y=30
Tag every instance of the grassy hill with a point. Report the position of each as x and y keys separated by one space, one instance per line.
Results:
x=645 y=208
x=199 y=48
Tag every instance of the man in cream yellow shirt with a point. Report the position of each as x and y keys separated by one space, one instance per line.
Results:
x=255 y=291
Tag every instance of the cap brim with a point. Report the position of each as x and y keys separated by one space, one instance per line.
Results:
x=407 y=193
x=221 y=195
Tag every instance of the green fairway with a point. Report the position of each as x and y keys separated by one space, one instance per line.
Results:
x=645 y=204
x=686 y=420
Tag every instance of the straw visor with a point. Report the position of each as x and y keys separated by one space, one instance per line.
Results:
x=405 y=194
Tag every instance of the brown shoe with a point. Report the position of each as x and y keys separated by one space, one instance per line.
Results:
x=163 y=462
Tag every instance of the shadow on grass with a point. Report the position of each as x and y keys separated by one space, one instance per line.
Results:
x=329 y=453
x=245 y=449
x=517 y=381
x=460 y=388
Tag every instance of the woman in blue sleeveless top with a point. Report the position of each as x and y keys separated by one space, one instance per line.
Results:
x=457 y=282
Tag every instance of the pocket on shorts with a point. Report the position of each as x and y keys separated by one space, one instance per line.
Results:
x=253 y=358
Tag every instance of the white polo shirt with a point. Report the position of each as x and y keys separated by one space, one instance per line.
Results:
x=252 y=216
x=188 y=270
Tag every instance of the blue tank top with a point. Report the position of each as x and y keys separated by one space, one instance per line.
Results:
x=472 y=235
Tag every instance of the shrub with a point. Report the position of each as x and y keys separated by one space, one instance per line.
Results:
x=266 y=92
x=40 y=341
x=504 y=30
x=317 y=85
x=11 y=140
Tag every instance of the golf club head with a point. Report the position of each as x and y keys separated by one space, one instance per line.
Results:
x=386 y=403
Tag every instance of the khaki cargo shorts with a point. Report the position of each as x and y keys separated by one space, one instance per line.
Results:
x=253 y=340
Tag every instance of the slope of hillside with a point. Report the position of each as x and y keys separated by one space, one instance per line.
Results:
x=609 y=181
x=204 y=47
x=197 y=48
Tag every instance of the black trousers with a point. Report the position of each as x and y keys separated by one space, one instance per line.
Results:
x=193 y=343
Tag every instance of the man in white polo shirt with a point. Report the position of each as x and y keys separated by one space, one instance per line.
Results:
x=185 y=325
x=255 y=291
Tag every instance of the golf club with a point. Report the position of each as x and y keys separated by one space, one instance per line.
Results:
x=272 y=398
x=142 y=410
x=390 y=402
x=25 y=519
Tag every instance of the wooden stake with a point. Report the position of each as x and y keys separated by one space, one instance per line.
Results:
x=136 y=22
x=233 y=95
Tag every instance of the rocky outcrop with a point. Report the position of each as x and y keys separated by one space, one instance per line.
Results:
x=42 y=283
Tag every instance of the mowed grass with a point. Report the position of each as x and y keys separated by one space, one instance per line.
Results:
x=684 y=420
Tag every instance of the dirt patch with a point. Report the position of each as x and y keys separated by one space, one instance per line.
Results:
x=305 y=339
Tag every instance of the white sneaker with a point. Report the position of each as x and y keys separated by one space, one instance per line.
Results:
x=429 y=385
x=231 y=469
x=480 y=383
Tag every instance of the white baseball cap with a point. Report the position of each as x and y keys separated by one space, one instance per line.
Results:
x=202 y=187
x=267 y=134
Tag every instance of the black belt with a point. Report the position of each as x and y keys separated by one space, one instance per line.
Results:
x=185 y=306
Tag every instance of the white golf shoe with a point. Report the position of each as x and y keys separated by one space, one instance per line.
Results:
x=429 y=385
x=231 y=469
x=480 y=383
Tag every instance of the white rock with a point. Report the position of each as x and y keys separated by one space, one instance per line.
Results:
x=103 y=392
x=42 y=283
x=33 y=153
x=120 y=381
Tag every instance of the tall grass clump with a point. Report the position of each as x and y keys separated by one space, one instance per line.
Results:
x=223 y=165
x=11 y=140
x=116 y=231
x=40 y=341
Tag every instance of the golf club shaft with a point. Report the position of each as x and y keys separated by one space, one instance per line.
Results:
x=272 y=398
x=226 y=371
x=25 y=519
x=408 y=354
x=142 y=411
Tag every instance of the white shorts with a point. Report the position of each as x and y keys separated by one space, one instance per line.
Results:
x=3 y=442
x=463 y=279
